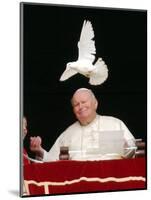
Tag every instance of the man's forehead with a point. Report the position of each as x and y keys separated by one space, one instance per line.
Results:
x=81 y=94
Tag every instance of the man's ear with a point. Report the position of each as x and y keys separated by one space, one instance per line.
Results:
x=96 y=104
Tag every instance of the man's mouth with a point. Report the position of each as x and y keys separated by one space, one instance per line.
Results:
x=82 y=111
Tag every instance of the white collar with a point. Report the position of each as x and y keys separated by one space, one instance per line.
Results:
x=93 y=124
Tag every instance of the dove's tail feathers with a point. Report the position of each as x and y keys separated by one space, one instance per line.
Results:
x=67 y=74
x=100 y=74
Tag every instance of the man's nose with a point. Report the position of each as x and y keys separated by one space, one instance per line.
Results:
x=80 y=105
x=25 y=130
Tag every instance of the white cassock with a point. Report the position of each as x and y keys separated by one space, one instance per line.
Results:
x=81 y=138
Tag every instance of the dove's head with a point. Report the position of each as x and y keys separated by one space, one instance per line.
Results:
x=71 y=65
x=84 y=105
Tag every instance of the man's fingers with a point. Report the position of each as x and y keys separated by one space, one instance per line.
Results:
x=39 y=139
x=35 y=142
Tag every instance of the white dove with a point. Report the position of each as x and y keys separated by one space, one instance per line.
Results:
x=96 y=73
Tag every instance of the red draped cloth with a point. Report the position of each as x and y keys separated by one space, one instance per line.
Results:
x=62 y=177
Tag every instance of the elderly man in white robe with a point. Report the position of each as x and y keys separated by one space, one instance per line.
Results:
x=84 y=134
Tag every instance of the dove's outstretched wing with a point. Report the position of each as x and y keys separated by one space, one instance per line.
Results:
x=86 y=43
x=100 y=74
x=67 y=74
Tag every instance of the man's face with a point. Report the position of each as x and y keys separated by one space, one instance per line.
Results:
x=24 y=127
x=84 y=107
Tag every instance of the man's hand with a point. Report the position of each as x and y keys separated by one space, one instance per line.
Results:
x=35 y=146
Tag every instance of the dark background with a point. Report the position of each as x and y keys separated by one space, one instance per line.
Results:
x=50 y=34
